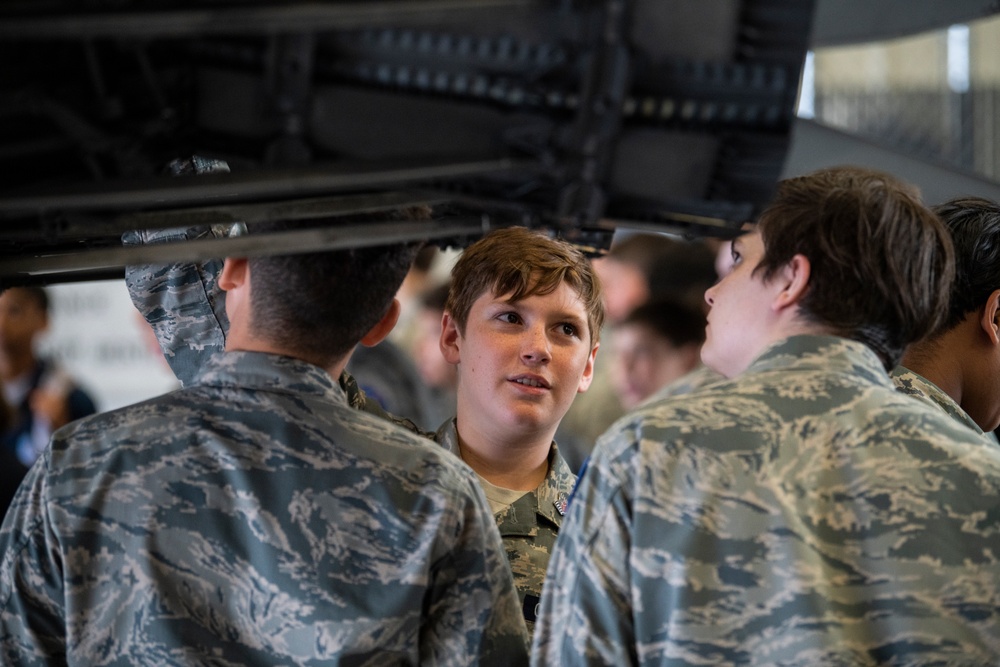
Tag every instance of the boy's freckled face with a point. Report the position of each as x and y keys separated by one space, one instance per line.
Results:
x=522 y=363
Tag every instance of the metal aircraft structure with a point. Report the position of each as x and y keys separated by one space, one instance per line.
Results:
x=574 y=116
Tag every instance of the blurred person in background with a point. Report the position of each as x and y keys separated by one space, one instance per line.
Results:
x=387 y=375
x=657 y=343
x=438 y=375
x=42 y=395
x=639 y=267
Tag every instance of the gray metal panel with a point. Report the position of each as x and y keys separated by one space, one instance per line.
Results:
x=815 y=146
x=838 y=22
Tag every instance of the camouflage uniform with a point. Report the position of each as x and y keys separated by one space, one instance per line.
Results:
x=696 y=379
x=252 y=518
x=914 y=384
x=804 y=513
x=530 y=525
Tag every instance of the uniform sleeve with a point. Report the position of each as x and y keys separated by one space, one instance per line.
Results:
x=585 y=616
x=182 y=302
x=33 y=627
x=474 y=617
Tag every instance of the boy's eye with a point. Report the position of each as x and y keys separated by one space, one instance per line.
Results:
x=509 y=318
x=569 y=329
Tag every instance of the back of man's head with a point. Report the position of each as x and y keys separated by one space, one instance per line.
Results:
x=882 y=264
x=523 y=262
x=321 y=304
x=974 y=224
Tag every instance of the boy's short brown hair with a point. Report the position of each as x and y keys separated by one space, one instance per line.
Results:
x=882 y=263
x=522 y=262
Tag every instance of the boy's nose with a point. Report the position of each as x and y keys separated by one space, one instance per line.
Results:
x=536 y=346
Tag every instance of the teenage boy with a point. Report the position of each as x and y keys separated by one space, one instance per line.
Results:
x=254 y=517
x=521 y=326
x=802 y=512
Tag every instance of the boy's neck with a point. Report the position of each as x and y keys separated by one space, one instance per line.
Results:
x=516 y=466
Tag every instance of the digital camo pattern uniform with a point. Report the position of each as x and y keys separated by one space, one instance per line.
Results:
x=182 y=302
x=252 y=518
x=914 y=384
x=702 y=376
x=529 y=527
x=804 y=513
x=186 y=309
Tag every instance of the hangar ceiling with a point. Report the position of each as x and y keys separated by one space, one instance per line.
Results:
x=573 y=116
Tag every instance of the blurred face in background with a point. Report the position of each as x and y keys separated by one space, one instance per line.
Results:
x=625 y=287
x=21 y=319
x=644 y=361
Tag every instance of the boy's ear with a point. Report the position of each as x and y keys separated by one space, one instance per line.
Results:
x=382 y=328
x=451 y=337
x=990 y=320
x=588 y=371
x=792 y=282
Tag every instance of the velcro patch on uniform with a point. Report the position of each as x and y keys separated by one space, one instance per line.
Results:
x=530 y=607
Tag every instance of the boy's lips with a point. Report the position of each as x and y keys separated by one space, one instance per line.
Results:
x=529 y=380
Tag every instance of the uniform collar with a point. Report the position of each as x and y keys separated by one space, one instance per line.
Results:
x=914 y=384
x=552 y=494
x=269 y=372
x=825 y=353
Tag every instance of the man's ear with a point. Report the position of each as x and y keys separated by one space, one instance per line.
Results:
x=382 y=328
x=234 y=280
x=234 y=273
x=588 y=371
x=451 y=338
x=989 y=320
x=792 y=282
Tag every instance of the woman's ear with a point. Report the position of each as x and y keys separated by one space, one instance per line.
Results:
x=793 y=282
x=382 y=328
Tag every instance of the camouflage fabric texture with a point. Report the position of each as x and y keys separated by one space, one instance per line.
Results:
x=702 y=376
x=252 y=518
x=803 y=513
x=914 y=384
x=182 y=302
x=529 y=527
